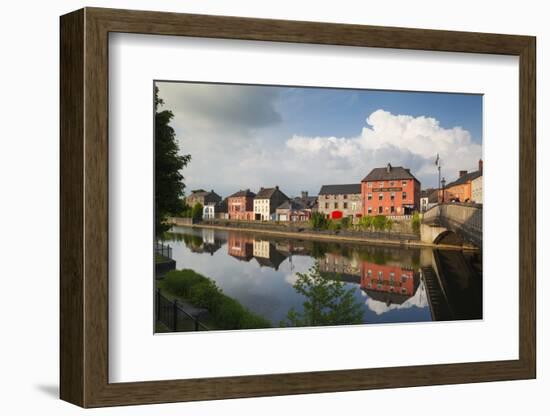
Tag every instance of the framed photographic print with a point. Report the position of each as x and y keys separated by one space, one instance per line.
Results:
x=255 y=207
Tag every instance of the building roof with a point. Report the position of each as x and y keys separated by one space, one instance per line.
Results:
x=389 y=298
x=267 y=193
x=353 y=188
x=222 y=206
x=433 y=197
x=203 y=193
x=465 y=178
x=246 y=192
x=389 y=173
x=198 y=191
x=425 y=193
x=292 y=204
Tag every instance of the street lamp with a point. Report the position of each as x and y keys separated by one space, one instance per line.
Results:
x=443 y=187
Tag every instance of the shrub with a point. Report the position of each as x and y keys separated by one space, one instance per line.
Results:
x=415 y=222
x=366 y=222
x=379 y=222
x=346 y=222
x=333 y=225
x=179 y=282
x=318 y=221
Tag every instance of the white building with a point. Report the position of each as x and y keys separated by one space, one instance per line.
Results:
x=266 y=202
x=208 y=212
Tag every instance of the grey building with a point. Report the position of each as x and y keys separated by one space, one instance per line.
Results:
x=200 y=196
x=339 y=201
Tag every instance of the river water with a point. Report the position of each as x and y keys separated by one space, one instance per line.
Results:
x=394 y=284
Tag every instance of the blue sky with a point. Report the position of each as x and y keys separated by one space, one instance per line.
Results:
x=243 y=136
x=344 y=110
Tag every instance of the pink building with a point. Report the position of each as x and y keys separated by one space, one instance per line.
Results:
x=240 y=205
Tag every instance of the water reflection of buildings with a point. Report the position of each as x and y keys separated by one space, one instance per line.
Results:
x=389 y=284
x=204 y=243
x=240 y=246
x=347 y=269
x=266 y=254
x=244 y=247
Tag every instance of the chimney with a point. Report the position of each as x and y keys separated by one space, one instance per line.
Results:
x=304 y=195
x=277 y=187
x=388 y=168
x=480 y=165
x=461 y=173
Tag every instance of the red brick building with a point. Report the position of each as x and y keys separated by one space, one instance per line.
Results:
x=240 y=205
x=388 y=279
x=240 y=246
x=390 y=191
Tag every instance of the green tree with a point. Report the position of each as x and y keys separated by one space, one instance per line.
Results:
x=328 y=302
x=169 y=162
x=196 y=212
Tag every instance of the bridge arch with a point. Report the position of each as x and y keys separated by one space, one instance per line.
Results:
x=448 y=237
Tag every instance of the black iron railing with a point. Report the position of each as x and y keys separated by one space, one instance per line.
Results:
x=174 y=317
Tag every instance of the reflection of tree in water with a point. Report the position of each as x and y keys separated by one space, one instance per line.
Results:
x=328 y=301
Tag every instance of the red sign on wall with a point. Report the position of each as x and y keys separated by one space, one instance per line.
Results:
x=336 y=215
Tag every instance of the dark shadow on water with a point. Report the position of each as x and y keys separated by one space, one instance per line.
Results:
x=51 y=390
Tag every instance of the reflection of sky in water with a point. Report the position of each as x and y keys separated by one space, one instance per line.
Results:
x=270 y=293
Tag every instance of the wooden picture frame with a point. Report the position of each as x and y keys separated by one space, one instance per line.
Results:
x=84 y=207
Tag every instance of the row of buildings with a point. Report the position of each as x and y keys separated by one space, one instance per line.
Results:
x=467 y=188
x=390 y=191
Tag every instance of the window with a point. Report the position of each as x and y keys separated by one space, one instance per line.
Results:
x=404 y=183
x=326 y=205
x=336 y=205
x=369 y=184
x=369 y=273
x=345 y=196
x=369 y=197
x=380 y=275
x=404 y=195
x=380 y=210
x=353 y=206
x=404 y=278
x=392 y=196
x=380 y=196
x=345 y=205
x=392 y=209
x=369 y=210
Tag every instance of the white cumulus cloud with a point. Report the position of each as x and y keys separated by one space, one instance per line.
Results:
x=401 y=140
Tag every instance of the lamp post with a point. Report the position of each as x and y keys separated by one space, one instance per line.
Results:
x=443 y=182
x=438 y=164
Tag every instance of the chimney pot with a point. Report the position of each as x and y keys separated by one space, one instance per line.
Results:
x=480 y=165
x=461 y=173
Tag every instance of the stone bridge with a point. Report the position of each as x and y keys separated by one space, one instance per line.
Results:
x=453 y=223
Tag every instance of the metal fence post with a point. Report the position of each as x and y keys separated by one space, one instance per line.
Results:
x=158 y=304
x=175 y=314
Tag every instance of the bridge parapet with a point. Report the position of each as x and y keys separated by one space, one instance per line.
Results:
x=465 y=220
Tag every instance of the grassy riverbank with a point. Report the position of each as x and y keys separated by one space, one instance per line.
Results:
x=224 y=312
